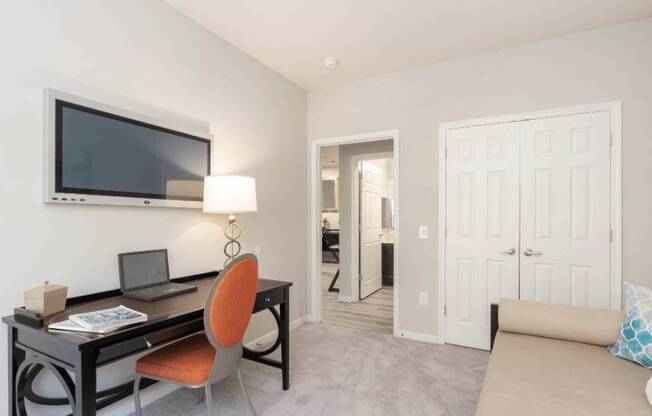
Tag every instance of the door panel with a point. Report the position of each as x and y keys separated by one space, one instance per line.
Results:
x=565 y=200
x=371 y=230
x=482 y=216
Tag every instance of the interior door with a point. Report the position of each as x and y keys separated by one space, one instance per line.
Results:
x=565 y=191
x=482 y=217
x=370 y=230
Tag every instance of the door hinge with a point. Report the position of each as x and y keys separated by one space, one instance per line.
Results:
x=611 y=236
x=445 y=310
x=445 y=231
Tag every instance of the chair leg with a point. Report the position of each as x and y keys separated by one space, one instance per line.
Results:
x=138 y=410
x=209 y=400
x=245 y=394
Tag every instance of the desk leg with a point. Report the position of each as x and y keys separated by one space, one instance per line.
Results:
x=285 y=339
x=15 y=357
x=85 y=384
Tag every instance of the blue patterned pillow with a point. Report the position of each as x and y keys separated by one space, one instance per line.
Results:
x=635 y=342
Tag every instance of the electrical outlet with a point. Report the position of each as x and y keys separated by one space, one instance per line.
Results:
x=423 y=298
x=423 y=231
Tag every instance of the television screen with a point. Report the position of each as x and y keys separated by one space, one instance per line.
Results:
x=98 y=153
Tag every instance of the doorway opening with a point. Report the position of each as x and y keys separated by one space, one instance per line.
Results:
x=355 y=232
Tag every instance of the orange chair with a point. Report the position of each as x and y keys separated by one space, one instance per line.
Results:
x=204 y=359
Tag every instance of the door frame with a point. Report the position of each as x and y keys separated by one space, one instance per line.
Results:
x=355 y=215
x=314 y=243
x=615 y=110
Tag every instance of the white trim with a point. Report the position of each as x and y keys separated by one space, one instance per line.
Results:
x=315 y=223
x=345 y=298
x=397 y=221
x=355 y=216
x=532 y=115
x=615 y=110
x=441 y=237
x=270 y=337
x=420 y=336
x=356 y=138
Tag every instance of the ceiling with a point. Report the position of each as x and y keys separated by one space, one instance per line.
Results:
x=371 y=37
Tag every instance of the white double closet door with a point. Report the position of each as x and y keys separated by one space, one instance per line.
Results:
x=527 y=217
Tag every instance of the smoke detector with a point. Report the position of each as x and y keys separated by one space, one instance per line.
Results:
x=331 y=63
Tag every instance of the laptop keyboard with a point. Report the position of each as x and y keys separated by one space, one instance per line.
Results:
x=158 y=290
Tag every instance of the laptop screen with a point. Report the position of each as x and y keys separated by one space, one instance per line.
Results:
x=144 y=268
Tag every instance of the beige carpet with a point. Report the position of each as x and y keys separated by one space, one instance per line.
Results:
x=343 y=371
x=374 y=313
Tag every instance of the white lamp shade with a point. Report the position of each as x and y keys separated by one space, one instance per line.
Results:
x=229 y=194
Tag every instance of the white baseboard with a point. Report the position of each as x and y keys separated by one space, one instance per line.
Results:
x=269 y=337
x=345 y=299
x=420 y=336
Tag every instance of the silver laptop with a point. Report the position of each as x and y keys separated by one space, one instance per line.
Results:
x=145 y=275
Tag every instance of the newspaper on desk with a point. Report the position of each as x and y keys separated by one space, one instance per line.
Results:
x=100 y=322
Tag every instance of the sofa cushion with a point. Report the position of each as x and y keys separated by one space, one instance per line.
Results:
x=569 y=323
x=529 y=375
x=635 y=341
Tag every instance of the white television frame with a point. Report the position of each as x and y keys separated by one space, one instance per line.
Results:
x=49 y=163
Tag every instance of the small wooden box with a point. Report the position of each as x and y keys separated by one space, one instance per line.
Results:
x=46 y=299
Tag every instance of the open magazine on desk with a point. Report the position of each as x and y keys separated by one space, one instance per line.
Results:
x=100 y=322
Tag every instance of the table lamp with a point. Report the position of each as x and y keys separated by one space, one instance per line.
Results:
x=230 y=194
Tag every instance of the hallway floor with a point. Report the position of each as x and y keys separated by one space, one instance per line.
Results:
x=375 y=313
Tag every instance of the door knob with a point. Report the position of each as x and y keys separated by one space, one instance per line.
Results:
x=509 y=252
x=529 y=252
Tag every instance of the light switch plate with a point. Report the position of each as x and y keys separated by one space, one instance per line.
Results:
x=423 y=298
x=423 y=231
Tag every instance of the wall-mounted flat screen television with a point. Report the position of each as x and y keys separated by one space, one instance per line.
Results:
x=104 y=155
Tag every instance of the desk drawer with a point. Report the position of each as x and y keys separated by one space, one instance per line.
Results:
x=268 y=299
x=152 y=339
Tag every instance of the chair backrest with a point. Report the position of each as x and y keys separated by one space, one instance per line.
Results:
x=228 y=311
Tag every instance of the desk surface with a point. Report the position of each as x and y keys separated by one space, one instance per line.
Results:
x=182 y=307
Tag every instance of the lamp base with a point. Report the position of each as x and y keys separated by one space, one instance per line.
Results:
x=232 y=233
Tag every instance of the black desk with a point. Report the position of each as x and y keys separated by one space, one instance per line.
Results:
x=34 y=349
x=335 y=249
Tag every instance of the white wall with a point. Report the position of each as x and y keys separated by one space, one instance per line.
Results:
x=347 y=152
x=143 y=55
x=601 y=65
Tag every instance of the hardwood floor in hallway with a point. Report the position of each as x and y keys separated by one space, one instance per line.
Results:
x=375 y=313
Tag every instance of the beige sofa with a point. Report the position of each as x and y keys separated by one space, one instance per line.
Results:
x=552 y=360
